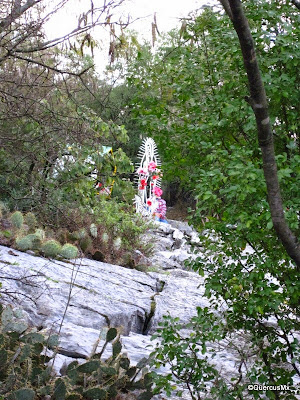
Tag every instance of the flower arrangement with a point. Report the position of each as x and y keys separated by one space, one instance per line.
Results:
x=149 y=174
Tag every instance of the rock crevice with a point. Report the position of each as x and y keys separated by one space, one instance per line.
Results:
x=105 y=295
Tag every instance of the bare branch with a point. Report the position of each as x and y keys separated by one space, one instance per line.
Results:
x=60 y=71
x=16 y=12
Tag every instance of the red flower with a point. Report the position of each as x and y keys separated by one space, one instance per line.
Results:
x=143 y=182
x=149 y=202
x=142 y=187
x=155 y=177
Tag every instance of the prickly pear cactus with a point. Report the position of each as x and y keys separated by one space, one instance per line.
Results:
x=24 y=375
x=69 y=251
x=93 y=230
x=36 y=240
x=24 y=243
x=105 y=379
x=31 y=221
x=40 y=233
x=17 y=219
x=22 y=365
x=51 y=248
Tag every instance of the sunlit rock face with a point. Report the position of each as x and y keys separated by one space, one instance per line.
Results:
x=81 y=299
x=92 y=295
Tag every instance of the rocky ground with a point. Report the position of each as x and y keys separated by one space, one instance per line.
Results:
x=81 y=299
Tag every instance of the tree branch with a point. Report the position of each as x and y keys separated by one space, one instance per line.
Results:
x=296 y=3
x=226 y=7
x=259 y=104
x=16 y=12
x=60 y=71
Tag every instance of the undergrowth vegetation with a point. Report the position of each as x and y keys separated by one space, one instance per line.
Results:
x=110 y=232
x=66 y=187
x=26 y=367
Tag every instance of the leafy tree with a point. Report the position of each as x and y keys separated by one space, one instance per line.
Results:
x=191 y=99
x=259 y=104
x=21 y=22
x=51 y=141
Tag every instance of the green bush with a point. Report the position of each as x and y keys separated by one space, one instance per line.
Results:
x=17 y=219
x=120 y=230
x=51 y=248
x=69 y=251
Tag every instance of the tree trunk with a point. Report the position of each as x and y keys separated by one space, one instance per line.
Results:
x=259 y=104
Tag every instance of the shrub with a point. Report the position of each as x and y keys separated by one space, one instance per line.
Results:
x=111 y=229
x=51 y=248
x=69 y=251
x=17 y=219
x=120 y=230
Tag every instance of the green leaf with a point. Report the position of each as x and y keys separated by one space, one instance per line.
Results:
x=117 y=348
x=270 y=225
x=22 y=394
x=53 y=341
x=89 y=366
x=60 y=389
x=96 y=393
x=125 y=363
x=111 y=334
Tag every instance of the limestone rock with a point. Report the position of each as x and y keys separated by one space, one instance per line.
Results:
x=88 y=296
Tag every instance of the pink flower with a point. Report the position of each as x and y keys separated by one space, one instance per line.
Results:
x=149 y=203
x=142 y=171
x=157 y=191
x=152 y=166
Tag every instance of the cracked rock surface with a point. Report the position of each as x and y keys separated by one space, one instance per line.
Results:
x=90 y=295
